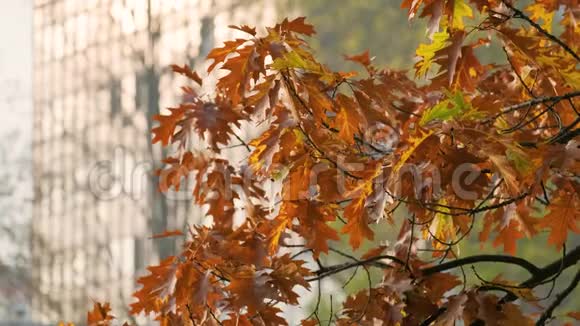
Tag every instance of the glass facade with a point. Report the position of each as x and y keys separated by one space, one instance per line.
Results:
x=101 y=70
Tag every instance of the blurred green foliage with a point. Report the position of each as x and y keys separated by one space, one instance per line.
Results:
x=351 y=27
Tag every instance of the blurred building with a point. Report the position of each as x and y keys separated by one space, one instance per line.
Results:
x=100 y=73
x=15 y=158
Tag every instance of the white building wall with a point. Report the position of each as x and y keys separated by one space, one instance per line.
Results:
x=94 y=62
x=15 y=155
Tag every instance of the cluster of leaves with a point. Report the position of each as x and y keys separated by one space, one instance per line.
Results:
x=461 y=142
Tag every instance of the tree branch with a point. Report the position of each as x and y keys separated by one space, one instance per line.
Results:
x=334 y=269
x=519 y=14
x=538 y=274
x=567 y=133
x=549 y=270
x=559 y=298
x=533 y=269
x=535 y=101
x=561 y=264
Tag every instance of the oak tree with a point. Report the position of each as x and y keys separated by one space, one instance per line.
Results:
x=453 y=151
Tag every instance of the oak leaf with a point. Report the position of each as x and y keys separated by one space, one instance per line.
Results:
x=188 y=72
x=349 y=121
x=357 y=226
x=167 y=234
x=297 y=25
x=454 y=311
x=100 y=315
x=363 y=58
x=218 y=55
x=167 y=124
x=563 y=216
x=244 y=28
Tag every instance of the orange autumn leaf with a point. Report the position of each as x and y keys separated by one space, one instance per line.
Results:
x=244 y=28
x=563 y=216
x=167 y=234
x=357 y=226
x=219 y=54
x=156 y=287
x=439 y=284
x=349 y=121
x=297 y=25
x=363 y=58
x=314 y=226
x=279 y=225
x=167 y=124
x=100 y=315
x=294 y=154
x=574 y=314
x=508 y=237
x=374 y=252
x=188 y=72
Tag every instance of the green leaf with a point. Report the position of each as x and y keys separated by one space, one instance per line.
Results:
x=452 y=107
x=294 y=60
x=520 y=160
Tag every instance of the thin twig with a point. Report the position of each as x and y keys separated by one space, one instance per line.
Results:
x=535 y=101
x=243 y=142
x=520 y=15
x=548 y=271
x=559 y=298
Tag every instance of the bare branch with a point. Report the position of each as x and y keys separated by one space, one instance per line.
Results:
x=548 y=271
x=535 y=101
x=547 y=315
x=520 y=15
x=533 y=269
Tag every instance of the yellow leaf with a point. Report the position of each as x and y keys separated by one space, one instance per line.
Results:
x=278 y=229
x=442 y=227
x=572 y=77
x=407 y=153
x=295 y=60
x=427 y=52
x=460 y=10
x=540 y=13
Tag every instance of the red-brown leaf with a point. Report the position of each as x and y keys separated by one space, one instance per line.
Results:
x=186 y=71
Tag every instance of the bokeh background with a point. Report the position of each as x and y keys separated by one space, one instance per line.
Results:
x=79 y=83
